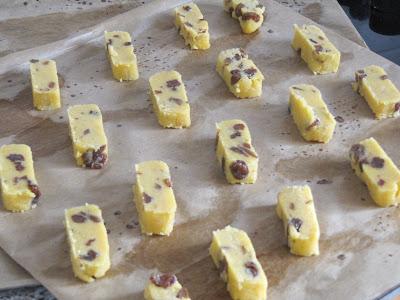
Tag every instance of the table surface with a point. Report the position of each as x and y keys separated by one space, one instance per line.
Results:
x=66 y=17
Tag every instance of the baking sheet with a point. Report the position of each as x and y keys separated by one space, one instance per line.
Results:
x=15 y=17
x=359 y=241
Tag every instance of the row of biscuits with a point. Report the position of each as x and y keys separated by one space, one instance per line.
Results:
x=153 y=189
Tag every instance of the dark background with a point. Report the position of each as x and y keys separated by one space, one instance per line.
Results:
x=378 y=22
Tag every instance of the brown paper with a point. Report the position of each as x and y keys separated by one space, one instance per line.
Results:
x=359 y=240
x=80 y=16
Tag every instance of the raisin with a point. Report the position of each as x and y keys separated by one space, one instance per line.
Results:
x=291 y=205
x=163 y=280
x=89 y=256
x=251 y=16
x=167 y=182
x=235 y=134
x=157 y=186
x=188 y=24
x=95 y=159
x=318 y=48
x=358 y=151
x=238 y=126
x=238 y=9
x=94 y=219
x=297 y=88
x=377 y=162
x=251 y=268
x=238 y=56
x=397 y=107
x=247 y=145
x=157 y=92
x=381 y=182
x=51 y=84
x=250 y=72
x=313 y=41
x=227 y=61
x=321 y=38
x=173 y=84
x=34 y=61
x=383 y=77
x=223 y=266
x=360 y=75
x=239 y=169
x=313 y=124
x=78 y=218
x=147 y=198
x=235 y=76
x=127 y=43
x=176 y=100
x=34 y=188
x=89 y=242
x=296 y=222
x=187 y=8
x=86 y=131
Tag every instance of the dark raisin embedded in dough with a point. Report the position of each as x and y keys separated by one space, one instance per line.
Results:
x=238 y=56
x=397 y=107
x=187 y=8
x=127 y=43
x=235 y=134
x=223 y=266
x=157 y=92
x=188 y=24
x=381 y=182
x=357 y=151
x=46 y=62
x=235 y=76
x=318 y=48
x=17 y=160
x=377 y=162
x=297 y=88
x=297 y=223
x=51 y=84
x=313 y=41
x=383 y=77
x=168 y=182
x=251 y=16
x=360 y=74
x=251 y=268
x=247 y=145
x=238 y=126
x=183 y=293
x=292 y=206
x=176 y=100
x=239 y=169
x=157 y=186
x=94 y=219
x=250 y=72
x=89 y=256
x=95 y=159
x=147 y=198
x=34 y=188
x=313 y=124
x=163 y=280
x=34 y=61
x=173 y=84
x=116 y=35
x=238 y=9
x=79 y=218
x=321 y=38
x=89 y=242
x=86 y=131
x=227 y=61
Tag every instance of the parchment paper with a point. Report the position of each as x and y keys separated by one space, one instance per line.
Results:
x=54 y=20
x=359 y=243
